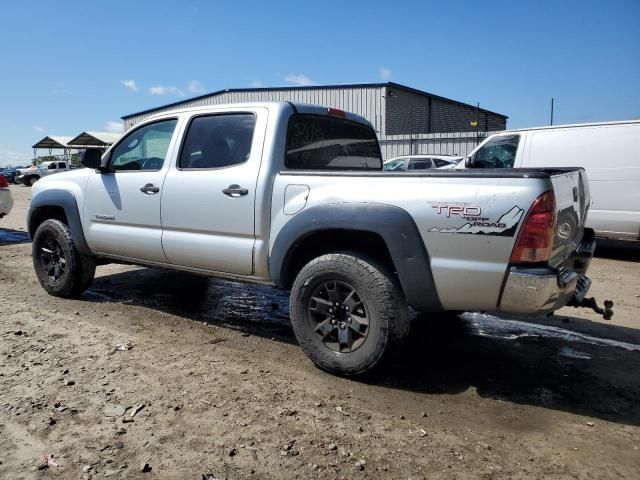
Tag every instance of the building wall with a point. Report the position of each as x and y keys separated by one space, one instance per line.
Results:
x=367 y=102
x=455 y=143
x=411 y=113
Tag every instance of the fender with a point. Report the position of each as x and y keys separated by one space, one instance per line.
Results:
x=396 y=227
x=65 y=200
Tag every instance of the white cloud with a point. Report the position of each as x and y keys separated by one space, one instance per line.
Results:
x=130 y=84
x=115 y=127
x=61 y=90
x=299 y=79
x=386 y=74
x=38 y=129
x=256 y=84
x=161 y=90
x=194 y=86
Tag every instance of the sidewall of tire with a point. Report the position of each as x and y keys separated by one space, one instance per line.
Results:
x=79 y=270
x=383 y=300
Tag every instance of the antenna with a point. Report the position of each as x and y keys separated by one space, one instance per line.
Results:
x=551 y=122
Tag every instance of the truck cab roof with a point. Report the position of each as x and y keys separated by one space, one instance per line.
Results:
x=296 y=107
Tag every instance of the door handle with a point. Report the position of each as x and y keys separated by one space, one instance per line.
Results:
x=235 y=191
x=149 y=188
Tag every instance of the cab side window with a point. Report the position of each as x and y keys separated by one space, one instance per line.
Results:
x=217 y=141
x=440 y=163
x=499 y=152
x=144 y=148
x=419 y=163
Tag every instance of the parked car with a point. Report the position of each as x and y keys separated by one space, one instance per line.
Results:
x=29 y=176
x=421 y=162
x=294 y=196
x=609 y=152
x=6 y=201
x=10 y=173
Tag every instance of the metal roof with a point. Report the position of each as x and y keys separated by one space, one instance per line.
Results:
x=312 y=87
x=53 y=142
x=94 y=139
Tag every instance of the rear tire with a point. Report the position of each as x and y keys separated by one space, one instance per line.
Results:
x=61 y=269
x=32 y=181
x=348 y=313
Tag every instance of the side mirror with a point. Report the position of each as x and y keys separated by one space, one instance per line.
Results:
x=468 y=162
x=104 y=164
x=90 y=158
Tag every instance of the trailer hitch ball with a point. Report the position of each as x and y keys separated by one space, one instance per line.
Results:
x=606 y=312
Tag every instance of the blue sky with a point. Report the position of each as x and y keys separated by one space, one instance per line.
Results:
x=71 y=66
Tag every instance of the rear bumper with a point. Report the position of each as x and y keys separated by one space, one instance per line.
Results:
x=542 y=290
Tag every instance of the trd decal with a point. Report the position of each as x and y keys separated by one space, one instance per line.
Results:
x=505 y=226
x=462 y=209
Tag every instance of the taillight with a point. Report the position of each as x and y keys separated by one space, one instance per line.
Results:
x=537 y=235
x=337 y=112
x=3 y=182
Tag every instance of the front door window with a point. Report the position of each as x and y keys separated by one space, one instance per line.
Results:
x=145 y=148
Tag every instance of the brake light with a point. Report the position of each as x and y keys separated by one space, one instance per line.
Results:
x=336 y=111
x=3 y=182
x=537 y=235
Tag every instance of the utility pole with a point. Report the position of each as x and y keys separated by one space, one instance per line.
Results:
x=551 y=123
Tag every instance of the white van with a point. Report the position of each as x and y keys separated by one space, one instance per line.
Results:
x=609 y=152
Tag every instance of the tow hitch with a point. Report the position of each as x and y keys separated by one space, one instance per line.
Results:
x=606 y=312
x=579 y=299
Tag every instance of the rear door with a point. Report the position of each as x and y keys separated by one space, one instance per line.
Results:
x=122 y=207
x=208 y=201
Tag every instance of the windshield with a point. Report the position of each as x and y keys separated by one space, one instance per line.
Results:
x=498 y=152
x=397 y=164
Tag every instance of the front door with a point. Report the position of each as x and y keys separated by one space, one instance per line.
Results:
x=122 y=206
x=208 y=199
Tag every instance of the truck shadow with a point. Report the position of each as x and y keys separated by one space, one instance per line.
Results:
x=561 y=363
x=618 y=250
x=13 y=237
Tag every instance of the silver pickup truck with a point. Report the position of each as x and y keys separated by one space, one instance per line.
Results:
x=295 y=196
x=29 y=176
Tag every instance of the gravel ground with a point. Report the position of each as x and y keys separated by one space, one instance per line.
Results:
x=226 y=392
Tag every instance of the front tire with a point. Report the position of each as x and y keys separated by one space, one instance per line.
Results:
x=61 y=269
x=348 y=313
x=32 y=181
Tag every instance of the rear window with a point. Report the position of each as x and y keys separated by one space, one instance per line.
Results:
x=317 y=142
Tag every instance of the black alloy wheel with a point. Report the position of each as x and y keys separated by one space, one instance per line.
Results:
x=52 y=258
x=338 y=316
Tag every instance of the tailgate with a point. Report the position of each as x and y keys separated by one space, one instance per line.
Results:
x=571 y=189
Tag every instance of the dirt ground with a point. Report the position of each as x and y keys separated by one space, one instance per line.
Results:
x=226 y=392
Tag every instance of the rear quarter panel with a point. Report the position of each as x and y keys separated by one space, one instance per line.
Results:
x=468 y=260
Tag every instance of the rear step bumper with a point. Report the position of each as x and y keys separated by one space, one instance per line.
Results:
x=542 y=290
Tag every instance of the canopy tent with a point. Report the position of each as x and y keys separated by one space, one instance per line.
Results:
x=54 y=143
x=94 y=139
